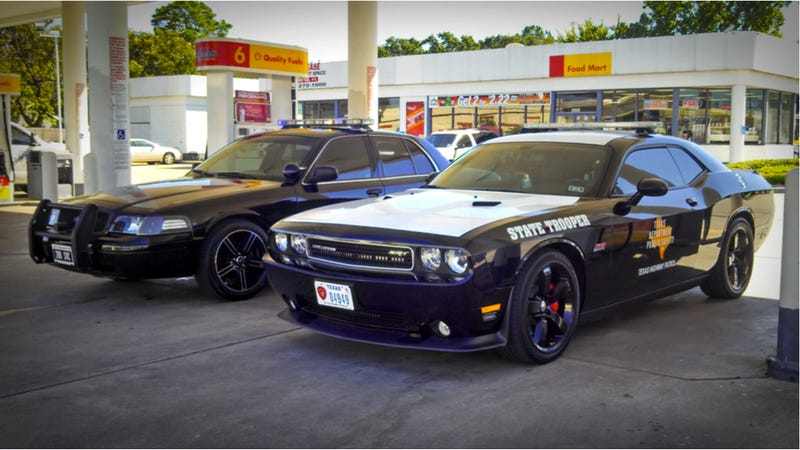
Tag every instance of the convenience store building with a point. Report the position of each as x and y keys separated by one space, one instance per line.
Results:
x=735 y=93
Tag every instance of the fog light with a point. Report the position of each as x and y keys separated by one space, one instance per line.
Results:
x=442 y=329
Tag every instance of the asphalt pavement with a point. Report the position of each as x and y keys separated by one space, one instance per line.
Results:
x=94 y=363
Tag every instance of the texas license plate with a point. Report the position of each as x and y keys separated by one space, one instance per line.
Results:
x=334 y=295
x=62 y=254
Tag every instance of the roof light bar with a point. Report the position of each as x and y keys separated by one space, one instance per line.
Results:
x=597 y=125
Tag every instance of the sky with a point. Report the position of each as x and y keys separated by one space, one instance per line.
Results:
x=321 y=26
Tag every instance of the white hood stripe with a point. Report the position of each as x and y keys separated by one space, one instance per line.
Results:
x=442 y=212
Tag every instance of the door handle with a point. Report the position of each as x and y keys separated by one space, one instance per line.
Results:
x=374 y=192
x=691 y=201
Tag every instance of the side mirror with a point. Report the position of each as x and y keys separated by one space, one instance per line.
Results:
x=323 y=173
x=651 y=187
x=292 y=172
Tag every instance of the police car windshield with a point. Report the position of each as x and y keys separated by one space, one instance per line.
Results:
x=261 y=157
x=550 y=168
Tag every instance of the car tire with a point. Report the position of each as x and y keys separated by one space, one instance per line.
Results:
x=731 y=274
x=168 y=158
x=544 y=309
x=230 y=260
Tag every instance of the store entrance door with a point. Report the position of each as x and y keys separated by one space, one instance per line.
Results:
x=573 y=107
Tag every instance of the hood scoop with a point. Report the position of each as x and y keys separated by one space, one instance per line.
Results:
x=485 y=203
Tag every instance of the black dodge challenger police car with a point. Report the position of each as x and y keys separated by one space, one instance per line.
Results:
x=514 y=242
x=213 y=222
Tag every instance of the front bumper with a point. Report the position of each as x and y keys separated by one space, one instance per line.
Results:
x=79 y=235
x=393 y=312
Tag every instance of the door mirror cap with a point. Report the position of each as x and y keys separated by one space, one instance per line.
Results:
x=650 y=187
x=323 y=173
x=292 y=172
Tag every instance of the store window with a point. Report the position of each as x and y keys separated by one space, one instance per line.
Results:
x=619 y=106
x=464 y=117
x=537 y=113
x=754 y=116
x=779 y=117
x=324 y=109
x=693 y=114
x=441 y=119
x=488 y=119
x=389 y=113
x=511 y=119
x=656 y=105
x=788 y=107
x=576 y=102
x=719 y=117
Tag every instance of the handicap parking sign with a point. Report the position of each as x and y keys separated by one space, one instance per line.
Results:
x=121 y=135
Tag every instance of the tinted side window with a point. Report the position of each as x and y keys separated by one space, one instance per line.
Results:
x=689 y=168
x=654 y=162
x=464 y=142
x=422 y=164
x=349 y=155
x=395 y=157
x=484 y=136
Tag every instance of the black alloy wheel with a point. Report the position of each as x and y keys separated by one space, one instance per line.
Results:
x=731 y=274
x=230 y=264
x=544 y=309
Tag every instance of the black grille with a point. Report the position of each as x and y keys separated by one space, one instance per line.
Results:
x=361 y=255
x=393 y=321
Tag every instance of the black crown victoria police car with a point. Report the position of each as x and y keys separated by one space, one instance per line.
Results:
x=508 y=247
x=213 y=222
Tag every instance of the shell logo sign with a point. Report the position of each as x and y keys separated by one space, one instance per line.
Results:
x=254 y=57
x=582 y=65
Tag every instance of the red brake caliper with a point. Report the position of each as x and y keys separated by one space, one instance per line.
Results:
x=554 y=305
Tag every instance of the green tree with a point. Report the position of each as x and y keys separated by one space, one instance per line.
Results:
x=147 y=54
x=24 y=52
x=670 y=18
x=170 y=49
x=192 y=20
x=447 y=42
x=587 y=32
x=399 y=47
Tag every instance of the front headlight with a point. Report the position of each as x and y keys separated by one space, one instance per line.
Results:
x=299 y=243
x=281 y=241
x=150 y=225
x=457 y=260
x=431 y=258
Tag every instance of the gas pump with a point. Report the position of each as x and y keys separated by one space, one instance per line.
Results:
x=9 y=85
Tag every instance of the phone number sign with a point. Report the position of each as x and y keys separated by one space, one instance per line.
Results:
x=254 y=57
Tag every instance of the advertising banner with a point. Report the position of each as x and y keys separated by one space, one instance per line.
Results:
x=415 y=118
x=252 y=107
x=252 y=112
x=530 y=98
x=317 y=77
x=581 y=65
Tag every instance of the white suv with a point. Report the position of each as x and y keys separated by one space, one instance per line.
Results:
x=454 y=143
